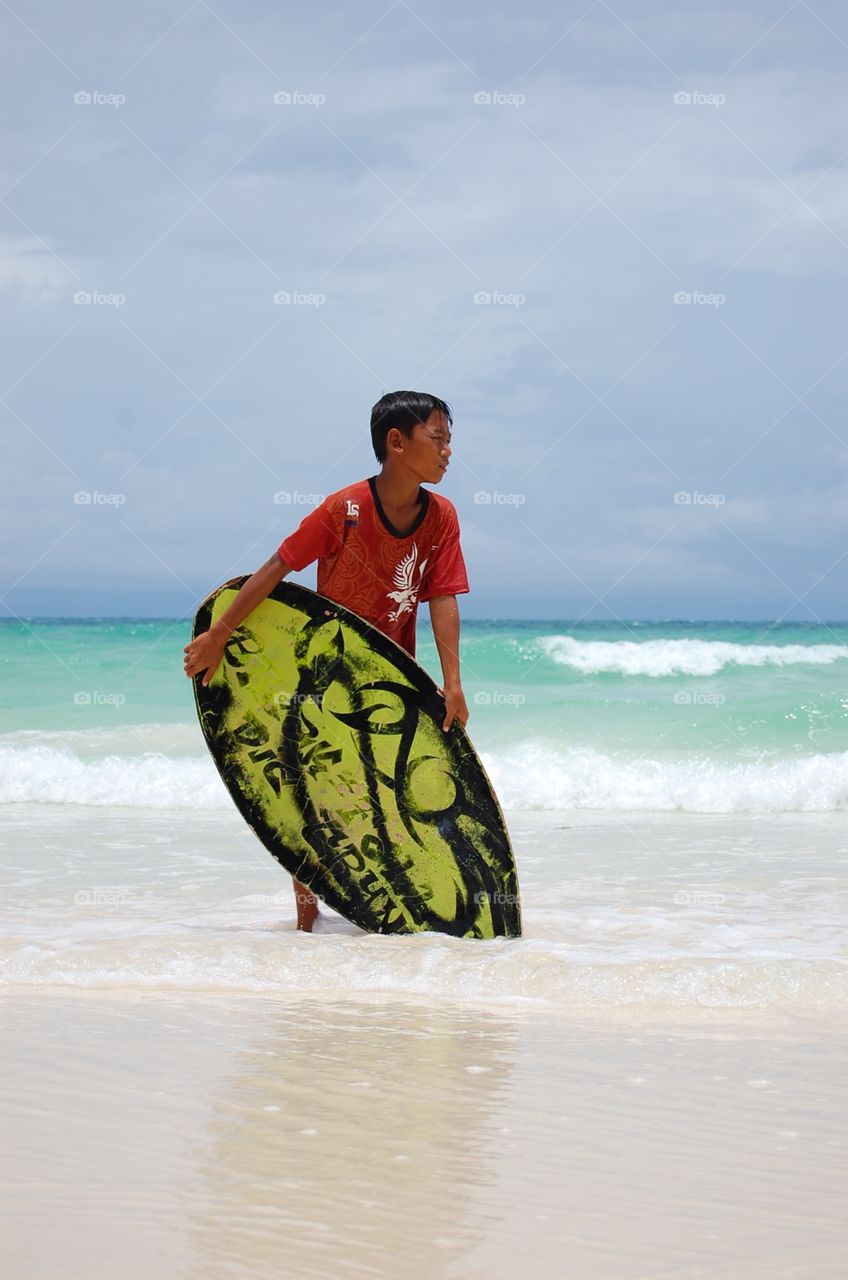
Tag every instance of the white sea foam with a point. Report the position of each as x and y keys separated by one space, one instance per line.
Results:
x=432 y=968
x=533 y=777
x=681 y=657
x=46 y=775
x=529 y=776
x=155 y=738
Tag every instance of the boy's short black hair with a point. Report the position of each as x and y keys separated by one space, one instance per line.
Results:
x=404 y=410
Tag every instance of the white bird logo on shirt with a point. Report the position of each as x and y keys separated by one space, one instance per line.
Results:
x=407 y=591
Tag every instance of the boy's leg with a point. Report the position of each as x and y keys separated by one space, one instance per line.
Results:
x=307 y=906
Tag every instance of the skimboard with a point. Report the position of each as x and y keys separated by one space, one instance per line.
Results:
x=328 y=737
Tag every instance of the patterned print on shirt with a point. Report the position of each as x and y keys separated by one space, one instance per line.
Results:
x=406 y=595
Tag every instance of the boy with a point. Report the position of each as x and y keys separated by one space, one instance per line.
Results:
x=382 y=545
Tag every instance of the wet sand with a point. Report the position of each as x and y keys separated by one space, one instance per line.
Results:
x=247 y=1136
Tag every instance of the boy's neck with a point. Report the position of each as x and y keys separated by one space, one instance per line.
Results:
x=396 y=490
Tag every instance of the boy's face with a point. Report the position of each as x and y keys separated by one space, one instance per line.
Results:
x=427 y=451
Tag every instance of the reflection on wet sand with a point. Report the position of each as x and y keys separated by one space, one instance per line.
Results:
x=250 y=1138
x=338 y=1126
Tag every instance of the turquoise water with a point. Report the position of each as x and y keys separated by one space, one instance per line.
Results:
x=676 y=795
x=612 y=685
x=637 y=715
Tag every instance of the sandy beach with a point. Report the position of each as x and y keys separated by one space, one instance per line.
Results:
x=255 y=1137
x=648 y=1086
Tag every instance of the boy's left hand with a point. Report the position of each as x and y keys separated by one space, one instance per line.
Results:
x=455 y=706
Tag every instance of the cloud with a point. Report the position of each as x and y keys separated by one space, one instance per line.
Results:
x=579 y=213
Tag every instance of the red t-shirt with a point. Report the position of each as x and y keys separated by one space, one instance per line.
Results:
x=367 y=566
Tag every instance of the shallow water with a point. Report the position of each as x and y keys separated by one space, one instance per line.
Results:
x=663 y=913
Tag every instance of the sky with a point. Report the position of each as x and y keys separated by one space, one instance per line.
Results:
x=614 y=236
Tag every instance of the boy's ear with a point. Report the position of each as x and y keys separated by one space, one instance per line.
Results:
x=394 y=438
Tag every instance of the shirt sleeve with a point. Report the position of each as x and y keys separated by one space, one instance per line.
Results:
x=316 y=536
x=446 y=574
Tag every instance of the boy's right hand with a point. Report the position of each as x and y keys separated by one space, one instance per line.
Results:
x=204 y=653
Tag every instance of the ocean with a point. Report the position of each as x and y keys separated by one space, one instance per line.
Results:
x=648 y=1083
x=676 y=795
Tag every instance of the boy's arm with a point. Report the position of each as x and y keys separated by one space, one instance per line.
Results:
x=444 y=615
x=206 y=650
